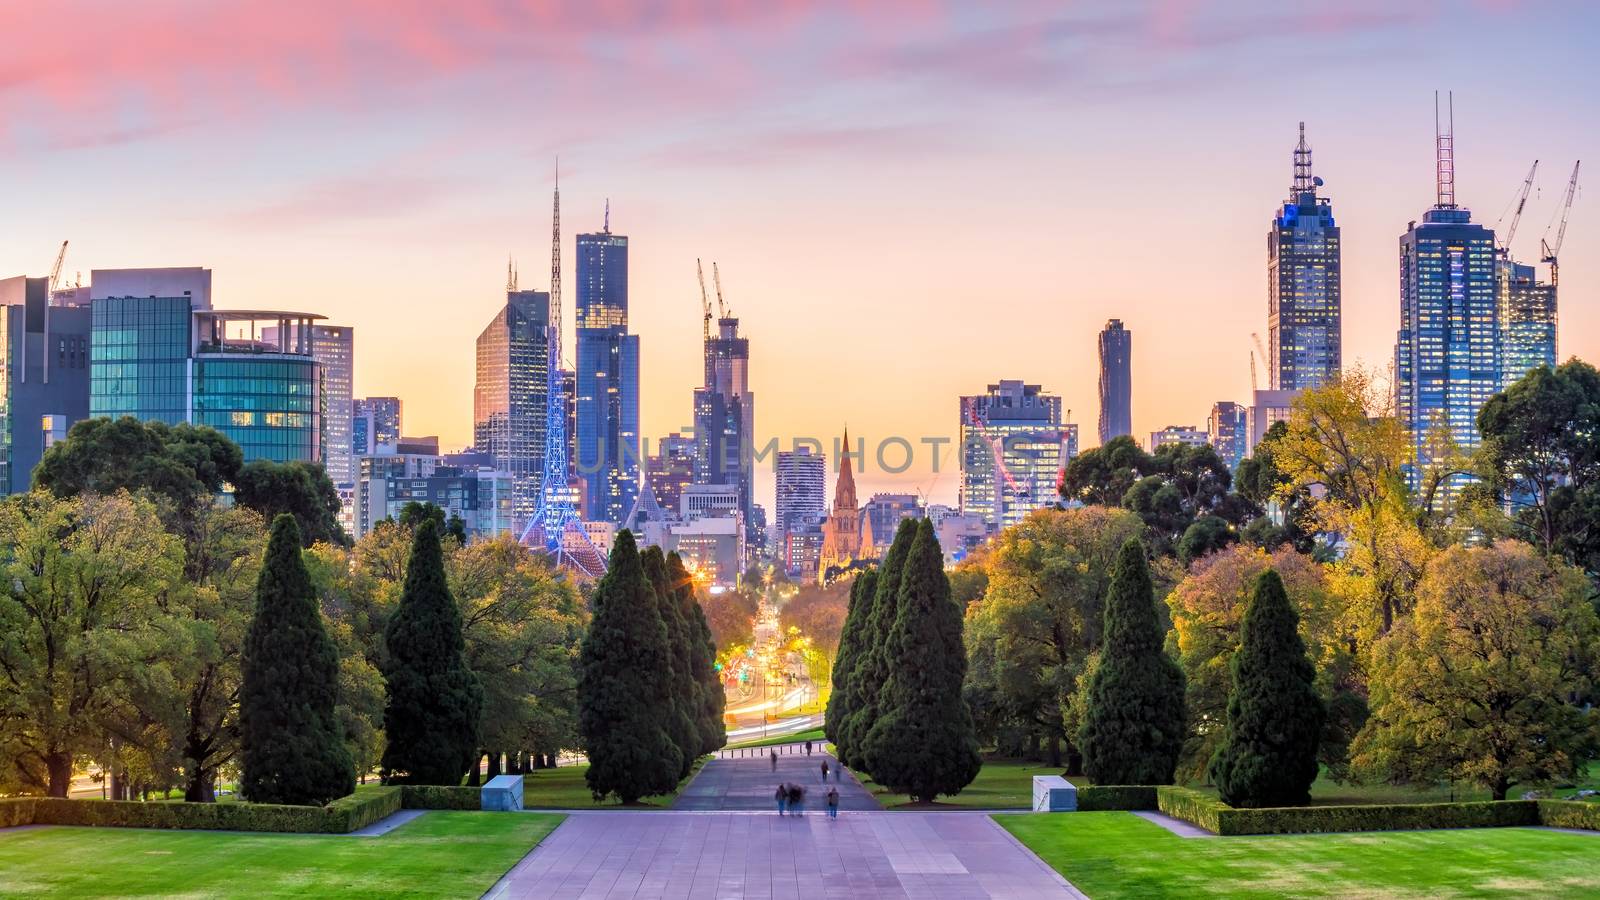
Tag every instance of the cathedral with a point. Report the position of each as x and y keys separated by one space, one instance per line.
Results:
x=847 y=532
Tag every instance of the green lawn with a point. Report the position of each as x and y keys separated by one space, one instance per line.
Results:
x=1001 y=784
x=564 y=788
x=1117 y=854
x=457 y=854
x=798 y=737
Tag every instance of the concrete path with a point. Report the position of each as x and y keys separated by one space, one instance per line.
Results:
x=944 y=856
x=1177 y=826
x=748 y=783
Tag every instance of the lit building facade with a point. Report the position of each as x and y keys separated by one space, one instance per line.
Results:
x=801 y=493
x=607 y=383
x=884 y=512
x=511 y=395
x=333 y=346
x=1527 y=321
x=724 y=415
x=1012 y=451
x=1228 y=431
x=1303 y=276
x=1116 y=381
x=376 y=422
x=671 y=469
x=1187 y=435
x=44 y=376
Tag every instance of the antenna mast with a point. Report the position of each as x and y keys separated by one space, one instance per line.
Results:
x=1302 y=165
x=1444 y=165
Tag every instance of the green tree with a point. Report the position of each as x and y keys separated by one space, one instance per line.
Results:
x=414 y=512
x=924 y=744
x=683 y=694
x=702 y=658
x=178 y=464
x=1268 y=755
x=1475 y=683
x=872 y=666
x=1133 y=728
x=431 y=717
x=301 y=489
x=78 y=616
x=1102 y=476
x=1204 y=536
x=862 y=590
x=293 y=751
x=622 y=696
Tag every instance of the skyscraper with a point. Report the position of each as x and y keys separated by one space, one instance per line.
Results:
x=1228 y=431
x=724 y=416
x=44 y=386
x=510 y=396
x=1447 y=352
x=801 y=485
x=333 y=346
x=1527 y=320
x=670 y=469
x=1013 y=446
x=1303 y=302
x=607 y=380
x=1116 y=381
x=376 y=422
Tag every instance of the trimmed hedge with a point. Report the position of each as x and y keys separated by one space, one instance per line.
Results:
x=342 y=816
x=1569 y=814
x=1100 y=797
x=1215 y=816
x=438 y=796
x=1192 y=806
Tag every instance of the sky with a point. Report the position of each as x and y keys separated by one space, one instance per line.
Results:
x=907 y=199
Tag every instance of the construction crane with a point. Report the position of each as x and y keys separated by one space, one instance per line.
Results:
x=705 y=301
x=716 y=279
x=1516 y=214
x=54 y=284
x=1264 y=358
x=1548 y=250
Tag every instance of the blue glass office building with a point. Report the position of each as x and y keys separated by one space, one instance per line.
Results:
x=607 y=389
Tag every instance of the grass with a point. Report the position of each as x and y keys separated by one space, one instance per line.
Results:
x=1117 y=854
x=438 y=854
x=1001 y=784
x=798 y=737
x=564 y=788
x=1325 y=792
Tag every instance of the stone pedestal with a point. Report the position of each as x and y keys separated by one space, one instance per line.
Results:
x=503 y=793
x=1052 y=793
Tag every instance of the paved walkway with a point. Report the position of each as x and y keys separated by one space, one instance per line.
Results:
x=1177 y=826
x=903 y=855
x=749 y=784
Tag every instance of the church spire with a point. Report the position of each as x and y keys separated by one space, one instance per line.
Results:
x=844 y=491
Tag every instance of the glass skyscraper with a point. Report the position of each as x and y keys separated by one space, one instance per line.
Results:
x=1527 y=321
x=1012 y=450
x=512 y=393
x=607 y=390
x=1116 y=381
x=1303 y=304
x=376 y=421
x=44 y=375
x=724 y=416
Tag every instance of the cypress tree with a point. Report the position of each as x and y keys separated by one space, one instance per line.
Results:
x=924 y=743
x=870 y=669
x=622 y=700
x=683 y=703
x=292 y=749
x=430 y=715
x=702 y=659
x=844 y=662
x=1133 y=728
x=1268 y=755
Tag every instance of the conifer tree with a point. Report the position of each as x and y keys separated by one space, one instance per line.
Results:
x=851 y=637
x=431 y=713
x=684 y=694
x=1133 y=727
x=1268 y=755
x=924 y=743
x=702 y=659
x=292 y=748
x=622 y=697
x=870 y=669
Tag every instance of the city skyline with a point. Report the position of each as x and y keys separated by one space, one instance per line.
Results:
x=793 y=209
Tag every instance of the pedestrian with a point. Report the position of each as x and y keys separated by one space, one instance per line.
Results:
x=824 y=771
x=838 y=770
x=783 y=797
x=797 y=800
x=833 y=803
x=808 y=748
x=774 y=759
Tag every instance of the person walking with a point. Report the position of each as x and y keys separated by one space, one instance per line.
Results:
x=808 y=748
x=833 y=803
x=774 y=759
x=797 y=800
x=824 y=771
x=838 y=772
x=783 y=797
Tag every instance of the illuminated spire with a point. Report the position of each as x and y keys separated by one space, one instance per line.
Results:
x=1444 y=165
x=1303 y=182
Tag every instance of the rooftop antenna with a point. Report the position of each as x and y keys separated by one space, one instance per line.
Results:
x=511 y=275
x=608 y=216
x=1445 y=152
x=1303 y=182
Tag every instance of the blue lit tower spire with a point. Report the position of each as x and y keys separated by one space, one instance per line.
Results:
x=557 y=514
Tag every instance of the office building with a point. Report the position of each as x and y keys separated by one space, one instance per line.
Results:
x=802 y=547
x=1228 y=431
x=801 y=490
x=482 y=498
x=1012 y=451
x=1185 y=435
x=1303 y=279
x=333 y=347
x=884 y=512
x=1447 y=351
x=158 y=351
x=405 y=460
x=959 y=535
x=511 y=395
x=671 y=469
x=1116 y=381
x=1527 y=321
x=1266 y=408
x=45 y=384
x=375 y=423
x=607 y=383
x=724 y=415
